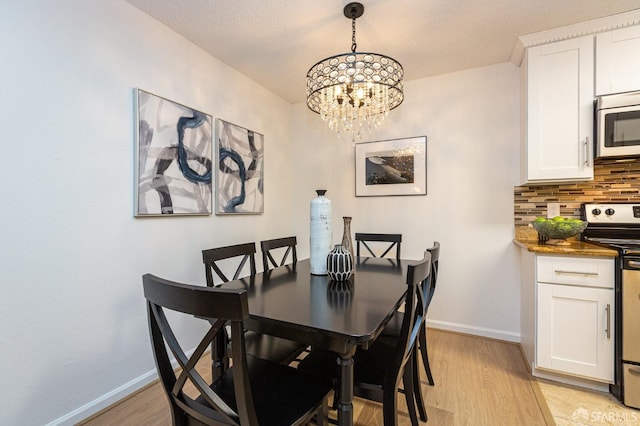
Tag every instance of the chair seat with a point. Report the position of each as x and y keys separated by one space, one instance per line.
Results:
x=273 y=385
x=394 y=326
x=391 y=333
x=273 y=348
x=370 y=366
x=322 y=362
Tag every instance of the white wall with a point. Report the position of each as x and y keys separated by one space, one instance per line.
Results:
x=73 y=323
x=73 y=335
x=470 y=119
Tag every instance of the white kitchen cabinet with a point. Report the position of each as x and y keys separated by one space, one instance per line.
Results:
x=575 y=316
x=618 y=61
x=558 y=99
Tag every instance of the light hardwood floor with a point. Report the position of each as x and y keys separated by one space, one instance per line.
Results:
x=478 y=382
x=573 y=406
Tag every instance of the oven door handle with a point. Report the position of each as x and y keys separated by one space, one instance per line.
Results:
x=634 y=263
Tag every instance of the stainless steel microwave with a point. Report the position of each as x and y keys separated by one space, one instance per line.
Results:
x=618 y=125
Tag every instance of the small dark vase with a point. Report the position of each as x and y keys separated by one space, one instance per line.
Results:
x=347 y=242
x=339 y=264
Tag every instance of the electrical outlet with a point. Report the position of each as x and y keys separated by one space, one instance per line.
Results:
x=553 y=210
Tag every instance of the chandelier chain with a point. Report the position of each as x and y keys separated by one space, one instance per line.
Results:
x=353 y=33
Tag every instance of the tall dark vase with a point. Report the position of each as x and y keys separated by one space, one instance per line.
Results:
x=347 y=242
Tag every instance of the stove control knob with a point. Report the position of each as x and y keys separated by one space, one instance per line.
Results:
x=609 y=212
x=596 y=212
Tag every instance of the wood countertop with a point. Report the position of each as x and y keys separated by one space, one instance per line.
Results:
x=527 y=238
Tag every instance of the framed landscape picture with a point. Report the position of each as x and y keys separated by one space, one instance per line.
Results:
x=391 y=167
x=240 y=182
x=174 y=149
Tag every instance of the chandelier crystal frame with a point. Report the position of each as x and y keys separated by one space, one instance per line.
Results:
x=354 y=91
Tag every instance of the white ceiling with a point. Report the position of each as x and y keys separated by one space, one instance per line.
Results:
x=274 y=42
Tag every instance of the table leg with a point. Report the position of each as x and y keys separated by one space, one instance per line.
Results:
x=345 y=402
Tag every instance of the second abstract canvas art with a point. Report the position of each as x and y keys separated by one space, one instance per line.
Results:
x=240 y=182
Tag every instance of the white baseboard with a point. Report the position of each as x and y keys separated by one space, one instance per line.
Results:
x=508 y=336
x=92 y=407
x=570 y=380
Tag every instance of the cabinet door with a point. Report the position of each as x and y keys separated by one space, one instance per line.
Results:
x=575 y=330
x=559 y=110
x=617 y=61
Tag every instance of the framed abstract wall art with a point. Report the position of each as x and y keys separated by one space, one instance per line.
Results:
x=391 y=167
x=240 y=181
x=174 y=148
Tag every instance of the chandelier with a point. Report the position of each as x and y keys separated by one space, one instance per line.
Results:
x=354 y=91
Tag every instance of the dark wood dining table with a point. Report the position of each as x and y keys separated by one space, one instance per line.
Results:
x=291 y=303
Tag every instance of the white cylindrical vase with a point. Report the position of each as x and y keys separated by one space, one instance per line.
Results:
x=321 y=235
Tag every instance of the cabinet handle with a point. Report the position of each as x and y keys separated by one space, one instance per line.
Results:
x=634 y=371
x=634 y=264
x=560 y=271
x=586 y=151
x=608 y=311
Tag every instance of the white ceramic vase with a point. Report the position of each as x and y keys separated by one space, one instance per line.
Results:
x=321 y=233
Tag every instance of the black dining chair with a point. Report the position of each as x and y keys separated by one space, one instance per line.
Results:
x=379 y=369
x=286 y=247
x=211 y=257
x=261 y=345
x=376 y=243
x=252 y=392
x=394 y=328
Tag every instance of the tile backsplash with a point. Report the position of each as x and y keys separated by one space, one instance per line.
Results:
x=614 y=181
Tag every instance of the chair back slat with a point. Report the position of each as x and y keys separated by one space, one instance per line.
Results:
x=211 y=256
x=242 y=388
x=418 y=282
x=435 y=266
x=269 y=247
x=241 y=265
x=188 y=371
x=364 y=239
x=219 y=307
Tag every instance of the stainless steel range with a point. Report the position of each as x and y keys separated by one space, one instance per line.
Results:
x=617 y=226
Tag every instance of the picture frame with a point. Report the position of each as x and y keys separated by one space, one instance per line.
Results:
x=240 y=171
x=174 y=152
x=391 y=167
